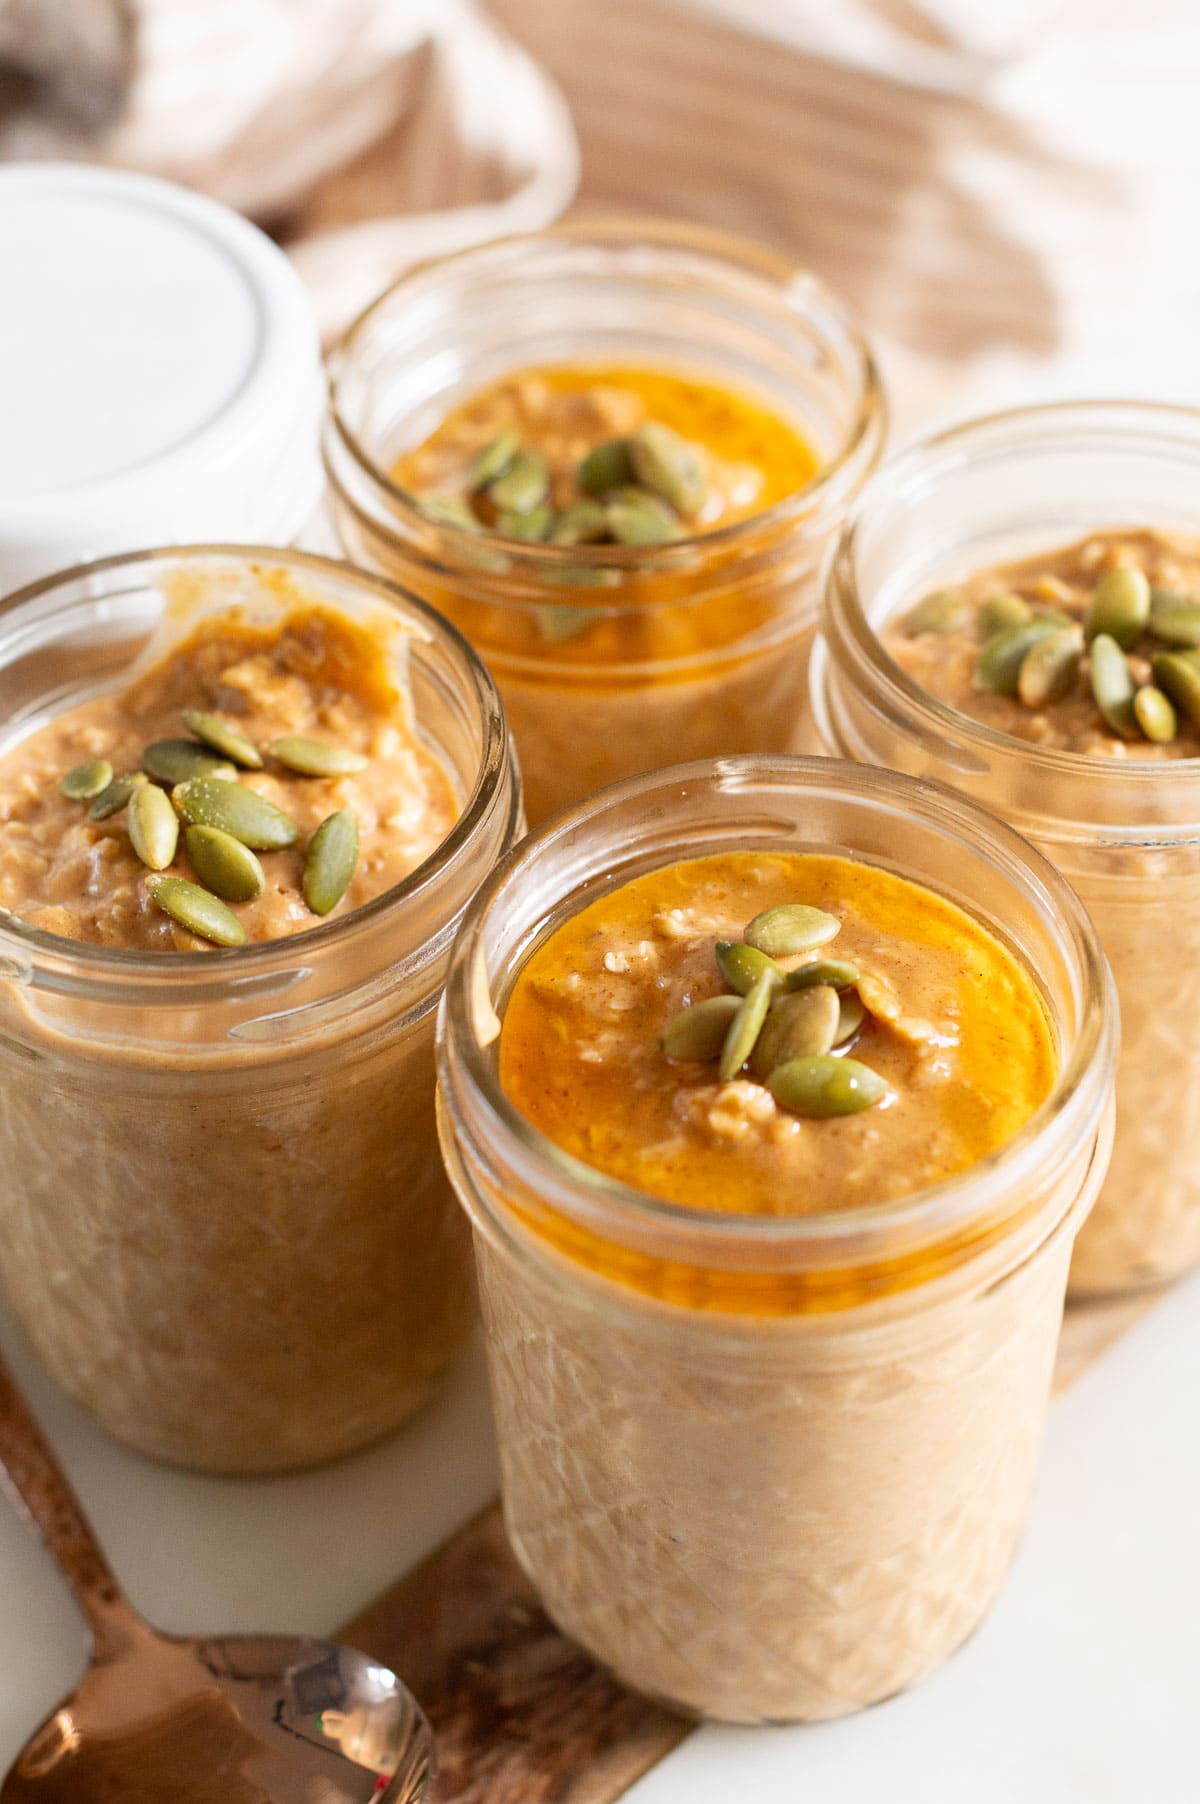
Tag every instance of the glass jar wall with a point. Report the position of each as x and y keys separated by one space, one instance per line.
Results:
x=225 y=1226
x=1125 y=831
x=771 y=1467
x=631 y=657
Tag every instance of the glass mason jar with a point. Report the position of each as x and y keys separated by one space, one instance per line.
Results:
x=1125 y=831
x=686 y=650
x=771 y=1468
x=225 y=1226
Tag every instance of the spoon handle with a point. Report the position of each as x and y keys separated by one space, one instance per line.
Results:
x=32 y=1477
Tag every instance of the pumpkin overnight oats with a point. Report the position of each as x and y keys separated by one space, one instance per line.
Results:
x=1059 y=684
x=749 y=1141
x=1092 y=647
x=243 y=799
x=619 y=487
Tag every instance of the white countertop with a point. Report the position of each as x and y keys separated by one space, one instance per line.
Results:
x=1079 y=1689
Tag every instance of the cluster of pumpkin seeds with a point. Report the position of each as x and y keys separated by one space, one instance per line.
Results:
x=190 y=788
x=1126 y=630
x=632 y=491
x=793 y=1028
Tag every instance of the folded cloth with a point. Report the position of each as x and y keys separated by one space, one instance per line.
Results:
x=371 y=132
x=1017 y=173
x=1012 y=178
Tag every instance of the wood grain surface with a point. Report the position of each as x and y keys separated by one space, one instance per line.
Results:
x=519 y=1715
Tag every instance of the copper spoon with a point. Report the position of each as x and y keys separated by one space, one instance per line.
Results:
x=234 y=1719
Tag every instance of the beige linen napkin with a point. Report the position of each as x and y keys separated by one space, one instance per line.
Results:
x=1008 y=178
x=971 y=173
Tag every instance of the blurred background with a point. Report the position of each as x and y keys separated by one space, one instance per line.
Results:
x=1003 y=190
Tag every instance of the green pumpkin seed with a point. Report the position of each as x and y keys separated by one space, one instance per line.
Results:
x=1056 y=616
x=316 y=757
x=941 y=612
x=484 y=554
x=999 y=664
x=822 y=1087
x=638 y=519
x=1119 y=607
x=494 y=459
x=177 y=760
x=449 y=510
x=153 y=826
x=798 y=1026
x=999 y=612
x=1179 y=679
x=222 y=737
x=851 y=1015
x=741 y=966
x=523 y=486
x=607 y=466
x=1176 y=626
x=794 y=927
x=531 y=527
x=1113 y=686
x=1050 y=668
x=583 y=523
x=237 y=810
x=1168 y=601
x=329 y=866
x=579 y=576
x=116 y=796
x=745 y=1027
x=1155 y=715
x=697 y=1034
x=669 y=466
x=196 y=910
x=87 y=780
x=838 y=972
x=563 y=623
x=224 y=865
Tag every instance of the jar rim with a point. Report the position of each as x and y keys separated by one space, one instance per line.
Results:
x=864 y=438
x=929 y=1216
x=221 y=965
x=845 y=627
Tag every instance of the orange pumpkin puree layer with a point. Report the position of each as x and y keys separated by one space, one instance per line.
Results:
x=668 y=606
x=955 y=1025
x=752 y=457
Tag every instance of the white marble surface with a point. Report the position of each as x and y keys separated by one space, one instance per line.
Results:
x=1080 y=1688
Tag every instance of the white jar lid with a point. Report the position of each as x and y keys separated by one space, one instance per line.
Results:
x=162 y=372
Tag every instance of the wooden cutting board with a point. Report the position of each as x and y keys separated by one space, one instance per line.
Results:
x=520 y=1716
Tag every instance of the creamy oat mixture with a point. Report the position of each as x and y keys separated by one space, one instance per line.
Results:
x=947 y=1027
x=767 y=1520
x=315 y=675
x=1092 y=647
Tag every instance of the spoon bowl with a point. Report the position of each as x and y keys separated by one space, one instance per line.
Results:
x=235 y=1719
x=244 y=1719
